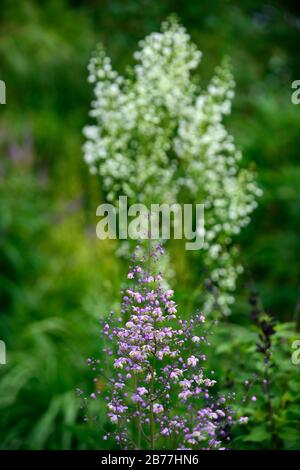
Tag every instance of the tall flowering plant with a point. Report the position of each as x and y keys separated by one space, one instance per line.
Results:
x=159 y=394
x=160 y=138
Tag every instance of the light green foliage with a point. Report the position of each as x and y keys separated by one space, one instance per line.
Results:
x=50 y=307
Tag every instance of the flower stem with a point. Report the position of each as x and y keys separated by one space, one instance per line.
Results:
x=152 y=444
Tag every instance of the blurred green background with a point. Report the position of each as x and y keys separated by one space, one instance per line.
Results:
x=56 y=278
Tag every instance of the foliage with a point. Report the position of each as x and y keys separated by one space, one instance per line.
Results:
x=56 y=279
x=49 y=308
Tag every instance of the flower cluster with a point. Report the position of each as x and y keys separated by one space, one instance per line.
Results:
x=160 y=138
x=160 y=394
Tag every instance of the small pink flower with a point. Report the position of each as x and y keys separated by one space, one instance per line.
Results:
x=169 y=293
x=243 y=420
x=192 y=361
x=157 y=408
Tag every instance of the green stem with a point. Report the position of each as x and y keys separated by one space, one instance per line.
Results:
x=152 y=432
x=139 y=436
x=276 y=441
x=151 y=417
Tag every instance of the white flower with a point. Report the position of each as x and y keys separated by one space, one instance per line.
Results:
x=157 y=135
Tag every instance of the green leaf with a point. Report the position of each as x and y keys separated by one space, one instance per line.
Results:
x=258 y=434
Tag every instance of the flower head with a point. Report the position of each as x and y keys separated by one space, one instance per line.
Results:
x=157 y=133
x=157 y=369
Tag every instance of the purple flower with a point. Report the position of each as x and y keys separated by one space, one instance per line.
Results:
x=157 y=408
x=243 y=420
x=156 y=368
x=192 y=361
